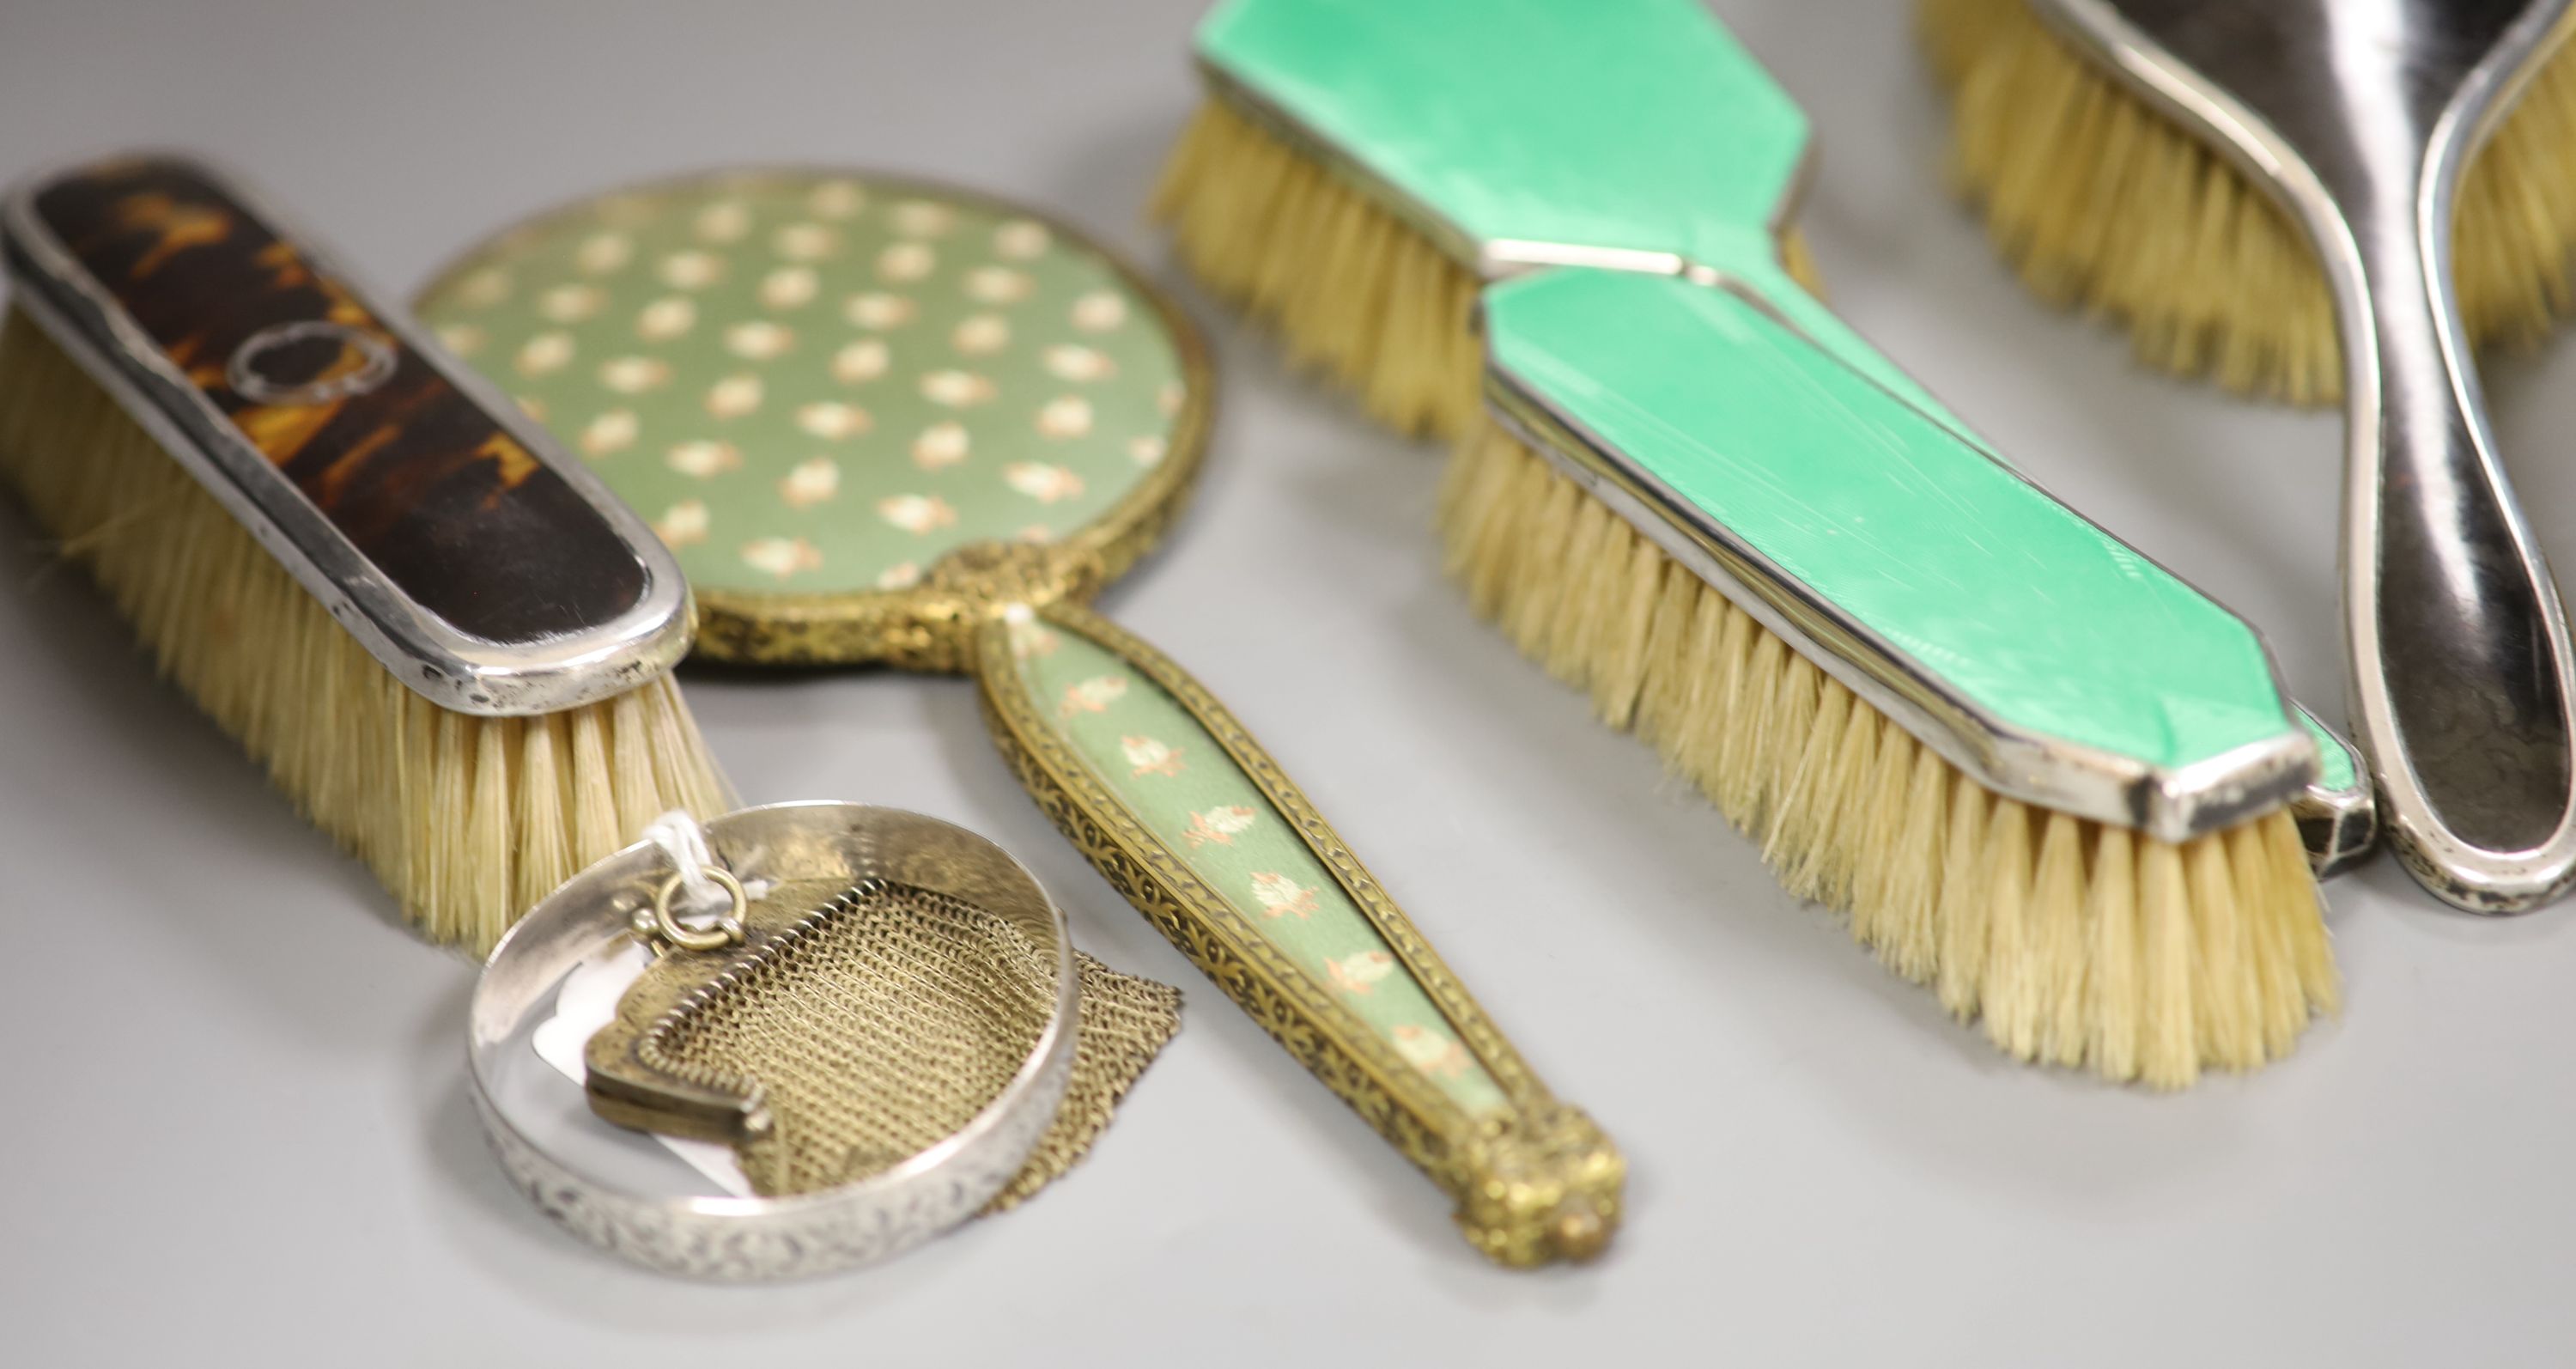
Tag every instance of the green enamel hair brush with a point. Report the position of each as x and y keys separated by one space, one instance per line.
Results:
x=2041 y=774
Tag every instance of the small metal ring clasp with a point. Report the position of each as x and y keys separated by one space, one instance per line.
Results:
x=664 y=925
x=375 y=363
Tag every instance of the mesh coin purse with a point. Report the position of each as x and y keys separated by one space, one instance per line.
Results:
x=858 y=1062
x=873 y=1023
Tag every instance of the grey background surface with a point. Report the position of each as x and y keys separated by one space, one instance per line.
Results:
x=236 y=1129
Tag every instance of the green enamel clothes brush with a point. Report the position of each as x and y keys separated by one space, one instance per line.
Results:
x=2042 y=773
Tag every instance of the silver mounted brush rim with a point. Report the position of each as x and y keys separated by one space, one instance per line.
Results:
x=2172 y=804
x=2338 y=826
x=747 y=1239
x=453 y=669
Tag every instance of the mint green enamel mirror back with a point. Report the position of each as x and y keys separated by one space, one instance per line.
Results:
x=881 y=421
x=816 y=386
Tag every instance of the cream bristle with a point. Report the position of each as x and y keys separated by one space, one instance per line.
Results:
x=1910 y=945
x=2060 y=946
x=2231 y=1020
x=1970 y=887
x=2167 y=1046
x=2112 y=997
x=467 y=820
x=1746 y=659
x=2010 y=998
x=2104 y=203
x=1882 y=796
x=1355 y=293
x=2073 y=942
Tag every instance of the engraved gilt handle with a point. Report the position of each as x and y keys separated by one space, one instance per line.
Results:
x=1189 y=818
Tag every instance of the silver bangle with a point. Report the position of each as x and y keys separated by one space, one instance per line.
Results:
x=737 y=1239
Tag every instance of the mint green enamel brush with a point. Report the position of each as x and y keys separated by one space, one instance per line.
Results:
x=2041 y=773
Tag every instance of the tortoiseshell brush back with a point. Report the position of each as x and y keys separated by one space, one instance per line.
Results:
x=435 y=631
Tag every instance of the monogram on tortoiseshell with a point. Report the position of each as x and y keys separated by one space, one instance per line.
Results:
x=424 y=481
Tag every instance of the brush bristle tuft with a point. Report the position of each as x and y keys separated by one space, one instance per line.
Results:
x=2073 y=942
x=467 y=820
x=2104 y=204
x=1355 y=293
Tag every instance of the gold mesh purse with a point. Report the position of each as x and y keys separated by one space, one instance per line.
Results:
x=868 y=1022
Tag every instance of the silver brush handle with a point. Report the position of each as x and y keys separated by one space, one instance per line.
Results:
x=2460 y=664
x=2361 y=119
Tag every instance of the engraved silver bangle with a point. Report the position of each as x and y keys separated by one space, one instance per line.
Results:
x=755 y=1238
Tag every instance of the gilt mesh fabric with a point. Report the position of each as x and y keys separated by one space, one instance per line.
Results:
x=884 y=1026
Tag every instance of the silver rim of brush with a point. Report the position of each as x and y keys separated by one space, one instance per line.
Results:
x=2461 y=674
x=453 y=669
x=749 y=1239
x=2168 y=804
x=2338 y=826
